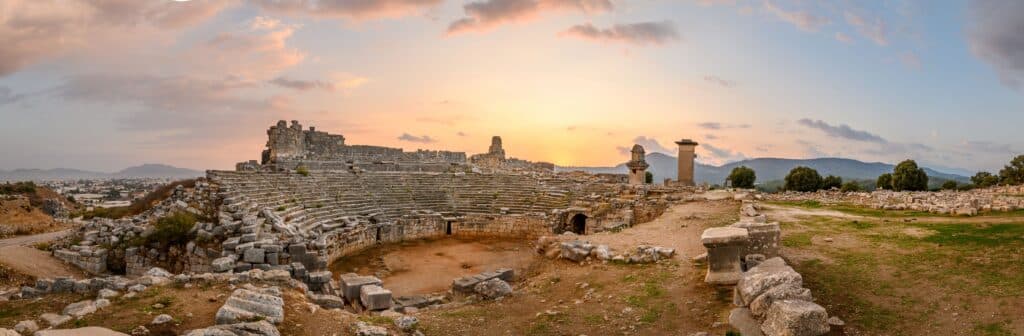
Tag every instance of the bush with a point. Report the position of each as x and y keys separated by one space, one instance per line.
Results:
x=949 y=185
x=832 y=182
x=803 y=179
x=302 y=170
x=907 y=176
x=851 y=186
x=884 y=181
x=18 y=188
x=984 y=180
x=172 y=229
x=742 y=177
x=1013 y=174
x=648 y=177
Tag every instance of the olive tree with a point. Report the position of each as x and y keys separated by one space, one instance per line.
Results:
x=803 y=179
x=908 y=176
x=742 y=177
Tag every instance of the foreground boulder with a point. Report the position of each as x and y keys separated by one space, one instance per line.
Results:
x=758 y=280
x=260 y=328
x=795 y=318
x=247 y=304
x=493 y=289
x=80 y=308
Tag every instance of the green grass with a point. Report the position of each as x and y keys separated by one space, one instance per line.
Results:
x=992 y=329
x=876 y=284
x=800 y=239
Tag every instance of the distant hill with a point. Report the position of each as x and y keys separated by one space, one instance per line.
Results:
x=768 y=169
x=142 y=171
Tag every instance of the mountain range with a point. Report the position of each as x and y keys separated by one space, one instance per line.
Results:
x=142 y=171
x=768 y=169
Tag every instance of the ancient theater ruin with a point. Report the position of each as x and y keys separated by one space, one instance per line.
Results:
x=313 y=199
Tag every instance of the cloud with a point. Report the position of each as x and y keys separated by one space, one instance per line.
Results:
x=643 y=33
x=650 y=146
x=716 y=155
x=420 y=139
x=484 y=15
x=341 y=82
x=994 y=34
x=910 y=59
x=302 y=85
x=34 y=31
x=842 y=131
x=841 y=37
x=802 y=19
x=710 y=136
x=461 y=134
x=874 y=30
x=720 y=81
x=349 y=9
x=257 y=51
x=713 y=125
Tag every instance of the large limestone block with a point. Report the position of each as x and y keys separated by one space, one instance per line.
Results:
x=351 y=283
x=493 y=288
x=87 y=331
x=375 y=297
x=795 y=318
x=80 y=308
x=758 y=280
x=246 y=305
x=724 y=245
x=259 y=328
x=741 y=319
x=760 y=305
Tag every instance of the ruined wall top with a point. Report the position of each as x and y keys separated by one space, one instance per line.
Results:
x=293 y=143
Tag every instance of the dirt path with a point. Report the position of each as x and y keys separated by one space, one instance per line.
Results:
x=17 y=254
x=679 y=228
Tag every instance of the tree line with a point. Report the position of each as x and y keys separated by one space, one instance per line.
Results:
x=906 y=176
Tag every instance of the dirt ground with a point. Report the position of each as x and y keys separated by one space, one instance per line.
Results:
x=428 y=266
x=19 y=217
x=892 y=273
x=563 y=298
x=18 y=254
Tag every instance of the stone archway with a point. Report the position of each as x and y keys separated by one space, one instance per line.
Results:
x=578 y=224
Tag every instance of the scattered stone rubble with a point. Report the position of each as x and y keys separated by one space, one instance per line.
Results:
x=947 y=202
x=769 y=294
x=568 y=247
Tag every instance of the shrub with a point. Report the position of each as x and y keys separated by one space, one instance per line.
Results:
x=172 y=229
x=18 y=188
x=1013 y=174
x=984 y=180
x=832 y=181
x=851 y=186
x=648 y=177
x=884 y=181
x=907 y=176
x=302 y=170
x=949 y=185
x=803 y=179
x=742 y=177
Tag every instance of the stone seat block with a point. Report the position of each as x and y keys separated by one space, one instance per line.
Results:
x=375 y=297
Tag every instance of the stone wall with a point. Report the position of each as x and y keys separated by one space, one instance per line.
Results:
x=971 y=202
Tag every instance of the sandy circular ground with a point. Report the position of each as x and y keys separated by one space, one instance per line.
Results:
x=429 y=266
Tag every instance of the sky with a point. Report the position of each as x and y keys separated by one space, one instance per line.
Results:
x=106 y=84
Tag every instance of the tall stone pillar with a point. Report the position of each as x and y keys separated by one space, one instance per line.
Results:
x=687 y=153
x=637 y=166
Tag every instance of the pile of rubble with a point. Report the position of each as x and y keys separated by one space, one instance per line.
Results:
x=946 y=202
x=769 y=294
x=568 y=247
x=100 y=241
